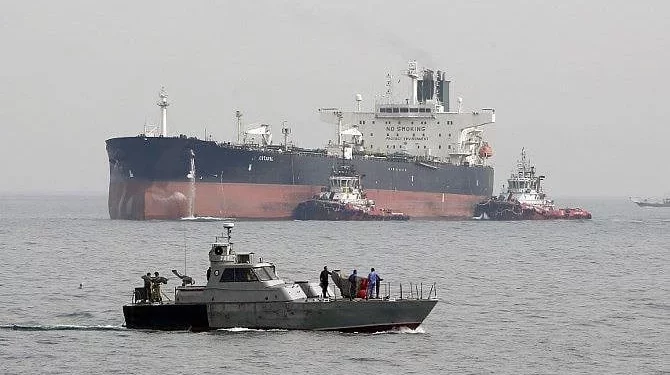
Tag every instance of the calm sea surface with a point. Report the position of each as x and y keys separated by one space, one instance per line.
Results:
x=563 y=297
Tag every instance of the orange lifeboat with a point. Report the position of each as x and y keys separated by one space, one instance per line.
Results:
x=485 y=151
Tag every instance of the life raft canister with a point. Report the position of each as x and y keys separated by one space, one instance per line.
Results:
x=362 y=292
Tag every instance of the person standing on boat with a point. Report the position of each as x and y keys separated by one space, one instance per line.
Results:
x=156 y=287
x=147 y=287
x=323 y=278
x=373 y=280
x=352 y=285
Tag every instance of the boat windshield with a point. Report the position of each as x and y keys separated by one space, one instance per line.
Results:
x=238 y=275
x=265 y=273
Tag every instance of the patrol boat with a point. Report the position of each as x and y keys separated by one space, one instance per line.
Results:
x=241 y=292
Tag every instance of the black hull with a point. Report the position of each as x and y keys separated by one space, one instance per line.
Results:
x=332 y=211
x=168 y=317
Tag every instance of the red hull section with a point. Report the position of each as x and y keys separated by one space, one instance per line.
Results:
x=172 y=200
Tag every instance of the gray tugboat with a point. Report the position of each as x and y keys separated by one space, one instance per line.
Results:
x=344 y=199
x=241 y=292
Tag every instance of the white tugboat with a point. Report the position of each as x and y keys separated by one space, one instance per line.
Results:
x=525 y=199
x=344 y=199
x=243 y=292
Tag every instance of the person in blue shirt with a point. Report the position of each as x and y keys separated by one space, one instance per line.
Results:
x=373 y=283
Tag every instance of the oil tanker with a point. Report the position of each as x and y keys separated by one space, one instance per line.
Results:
x=417 y=155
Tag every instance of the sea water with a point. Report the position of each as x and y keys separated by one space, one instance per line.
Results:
x=589 y=296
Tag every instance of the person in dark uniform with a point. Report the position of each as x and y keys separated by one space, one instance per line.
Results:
x=209 y=273
x=147 y=287
x=323 y=279
x=352 y=285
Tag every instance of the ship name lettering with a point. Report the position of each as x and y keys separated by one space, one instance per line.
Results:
x=265 y=158
x=406 y=128
x=396 y=169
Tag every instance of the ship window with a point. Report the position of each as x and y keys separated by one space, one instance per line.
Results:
x=404 y=110
x=244 y=275
x=396 y=109
x=417 y=146
x=439 y=147
x=412 y=122
x=262 y=274
x=414 y=109
x=382 y=109
x=439 y=135
x=373 y=121
x=363 y=122
x=238 y=275
x=438 y=123
x=428 y=110
x=371 y=134
x=393 y=146
x=449 y=147
x=271 y=271
x=424 y=146
x=422 y=110
x=450 y=134
x=228 y=275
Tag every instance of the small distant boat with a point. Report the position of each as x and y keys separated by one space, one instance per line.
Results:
x=525 y=199
x=651 y=202
x=344 y=199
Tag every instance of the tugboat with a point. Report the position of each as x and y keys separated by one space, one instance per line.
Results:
x=525 y=199
x=344 y=199
x=241 y=292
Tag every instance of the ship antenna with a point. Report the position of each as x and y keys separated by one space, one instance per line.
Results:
x=163 y=103
x=238 y=114
x=286 y=131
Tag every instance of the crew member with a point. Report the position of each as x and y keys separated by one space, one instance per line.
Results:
x=147 y=287
x=352 y=285
x=373 y=279
x=209 y=273
x=156 y=287
x=323 y=278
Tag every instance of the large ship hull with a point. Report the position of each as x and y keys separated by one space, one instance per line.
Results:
x=149 y=179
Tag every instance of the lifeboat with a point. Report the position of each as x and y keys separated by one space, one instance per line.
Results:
x=485 y=151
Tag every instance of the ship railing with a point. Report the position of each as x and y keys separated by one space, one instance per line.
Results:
x=417 y=291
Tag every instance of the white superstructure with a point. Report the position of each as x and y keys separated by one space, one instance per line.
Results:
x=421 y=126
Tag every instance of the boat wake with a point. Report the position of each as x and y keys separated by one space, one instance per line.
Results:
x=204 y=218
x=406 y=330
x=60 y=327
x=244 y=330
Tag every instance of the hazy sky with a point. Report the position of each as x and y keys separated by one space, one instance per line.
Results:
x=583 y=85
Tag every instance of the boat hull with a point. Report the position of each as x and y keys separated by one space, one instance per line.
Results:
x=507 y=210
x=149 y=180
x=315 y=209
x=332 y=315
